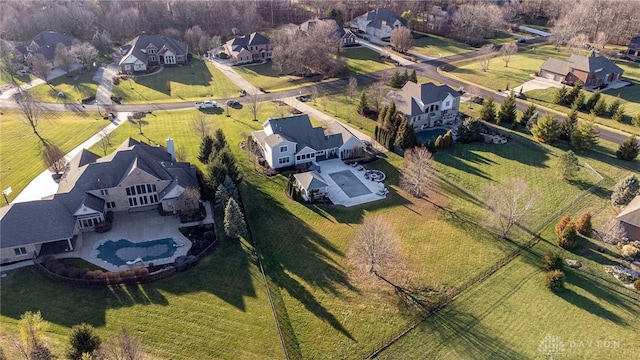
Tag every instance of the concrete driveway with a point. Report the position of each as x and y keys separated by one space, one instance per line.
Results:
x=227 y=69
x=534 y=84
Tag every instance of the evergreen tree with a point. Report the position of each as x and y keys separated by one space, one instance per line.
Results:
x=363 y=106
x=222 y=196
x=567 y=165
x=507 y=113
x=569 y=124
x=625 y=190
x=406 y=136
x=405 y=77
x=219 y=140
x=206 y=148
x=613 y=107
x=573 y=94
x=469 y=130
x=618 y=115
x=527 y=114
x=413 y=77
x=448 y=139
x=560 y=95
x=600 y=107
x=438 y=142
x=83 y=339
x=585 y=135
x=578 y=103
x=629 y=149
x=593 y=99
x=546 y=129
x=636 y=120
x=488 y=110
x=234 y=225
x=532 y=122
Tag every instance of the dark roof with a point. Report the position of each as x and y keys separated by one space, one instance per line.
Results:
x=631 y=213
x=555 y=66
x=47 y=40
x=245 y=41
x=35 y=222
x=163 y=44
x=298 y=128
x=598 y=65
x=380 y=15
x=634 y=43
x=311 y=180
x=413 y=96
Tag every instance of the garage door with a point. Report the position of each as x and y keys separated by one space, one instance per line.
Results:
x=546 y=75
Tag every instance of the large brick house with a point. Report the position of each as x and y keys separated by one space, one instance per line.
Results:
x=248 y=48
x=426 y=105
x=136 y=176
x=592 y=71
x=145 y=51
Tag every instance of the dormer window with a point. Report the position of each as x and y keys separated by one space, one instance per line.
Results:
x=151 y=51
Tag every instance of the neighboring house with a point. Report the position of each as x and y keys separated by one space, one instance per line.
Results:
x=311 y=182
x=347 y=38
x=377 y=23
x=136 y=176
x=293 y=140
x=145 y=51
x=629 y=218
x=633 y=51
x=426 y=105
x=592 y=71
x=248 y=48
x=44 y=43
x=437 y=18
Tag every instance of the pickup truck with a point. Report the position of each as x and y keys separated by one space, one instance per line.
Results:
x=207 y=104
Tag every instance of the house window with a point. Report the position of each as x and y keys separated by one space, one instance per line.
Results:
x=139 y=195
x=152 y=51
x=20 y=251
x=447 y=103
x=104 y=192
x=111 y=204
x=283 y=160
x=298 y=157
x=283 y=148
x=90 y=222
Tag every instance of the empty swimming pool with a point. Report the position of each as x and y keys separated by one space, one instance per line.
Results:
x=350 y=184
x=121 y=251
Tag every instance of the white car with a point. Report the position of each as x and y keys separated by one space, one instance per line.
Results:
x=207 y=104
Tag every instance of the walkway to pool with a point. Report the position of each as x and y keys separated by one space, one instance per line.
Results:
x=139 y=226
x=334 y=173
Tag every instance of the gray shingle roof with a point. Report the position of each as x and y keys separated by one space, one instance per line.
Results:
x=380 y=15
x=555 y=66
x=631 y=213
x=162 y=43
x=298 y=129
x=600 y=66
x=427 y=93
x=245 y=41
x=35 y=222
x=310 y=180
x=634 y=43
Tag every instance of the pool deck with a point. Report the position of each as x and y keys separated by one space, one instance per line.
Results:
x=335 y=192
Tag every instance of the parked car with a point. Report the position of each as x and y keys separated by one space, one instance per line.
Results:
x=207 y=104
x=243 y=93
x=478 y=100
x=233 y=102
x=304 y=98
x=263 y=90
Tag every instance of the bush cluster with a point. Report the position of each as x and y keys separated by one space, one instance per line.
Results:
x=554 y=280
x=636 y=284
x=108 y=277
x=552 y=261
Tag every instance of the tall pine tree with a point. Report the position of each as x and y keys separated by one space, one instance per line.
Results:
x=569 y=124
x=234 y=225
x=488 y=110
x=206 y=147
x=629 y=149
x=507 y=113
x=527 y=114
x=585 y=135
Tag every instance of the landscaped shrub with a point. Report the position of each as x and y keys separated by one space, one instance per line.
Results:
x=83 y=339
x=208 y=236
x=104 y=227
x=552 y=261
x=583 y=225
x=58 y=268
x=141 y=273
x=568 y=238
x=554 y=280
x=77 y=273
x=109 y=216
x=636 y=284
x=116 y=80
x=562 y=224
x=113 y=277
x=629 y=251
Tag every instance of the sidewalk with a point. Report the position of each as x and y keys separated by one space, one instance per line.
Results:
x=227 y=70
x=44 y=185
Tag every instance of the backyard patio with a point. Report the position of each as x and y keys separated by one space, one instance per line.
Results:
x=352 y=185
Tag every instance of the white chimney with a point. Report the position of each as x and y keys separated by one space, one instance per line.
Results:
x=171 y=149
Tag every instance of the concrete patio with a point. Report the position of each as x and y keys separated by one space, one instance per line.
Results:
x=337 y=194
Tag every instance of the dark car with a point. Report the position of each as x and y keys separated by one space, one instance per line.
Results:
x=233 y=102
x=478 y=100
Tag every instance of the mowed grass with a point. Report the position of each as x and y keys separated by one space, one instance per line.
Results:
x=5 y=79
x=217 y=309
x=437 y=46
x=75 y=87
x=20 y=149
x=521 y=66
x=359 y=61
x=195 y=81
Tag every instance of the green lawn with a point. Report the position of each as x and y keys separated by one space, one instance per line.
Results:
x=20 y=149
x=629 y=97
x=20 y=79
x=197 y=80
x=437 y=46
x=362 y=60
x=75 y=86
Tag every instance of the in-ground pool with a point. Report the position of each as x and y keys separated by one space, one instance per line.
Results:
x=429 y=135
x=121 y=251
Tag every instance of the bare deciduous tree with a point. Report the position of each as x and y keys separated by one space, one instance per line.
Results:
x=506 y=51
x=40 y=67
x=138 y=121
x=63 y=57
x=377 y=92
x=374 y=249
x=30 y=111
x=200 y=125
x=124 y=347
x=105 y=141
x=401 y=39
x=53 y=158
x=352 y=87
x=509 y=203
x=487 y=53
x=416 y=171
x=85 y=53
x=254 y=105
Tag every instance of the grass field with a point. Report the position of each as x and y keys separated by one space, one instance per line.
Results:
x=20 y=149
x=75 y=86
x=360 y=60
x=437 y=46
x=195 y=81
x=20 y=79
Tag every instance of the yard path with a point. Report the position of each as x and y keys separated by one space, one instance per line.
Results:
x=43 y=185
x=226 y=69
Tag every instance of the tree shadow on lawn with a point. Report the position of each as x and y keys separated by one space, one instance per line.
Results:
x=590 y=306
x=456 y=161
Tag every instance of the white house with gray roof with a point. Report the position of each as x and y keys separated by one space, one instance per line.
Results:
x=292 y=140
x=426 y=105
x=311 y=182
x=135 y=177
x=146 y=50
x=377 y=23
